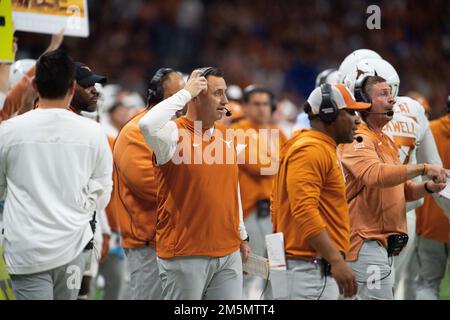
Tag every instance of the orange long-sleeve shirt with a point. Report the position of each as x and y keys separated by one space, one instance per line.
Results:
x=14 y=98
x=431 y=221
x=198 y=211
x=255 y=186
x=376 y=188
x=309 y=194
x=135 y=194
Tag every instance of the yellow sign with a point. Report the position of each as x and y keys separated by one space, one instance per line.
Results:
x=6 y=32
x=6 y=292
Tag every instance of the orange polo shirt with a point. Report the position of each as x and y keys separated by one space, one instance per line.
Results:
x=376 y=187
x=309 y=194
x=255 y=186
x=135 y=191
x=198 y=212
x=431 y=221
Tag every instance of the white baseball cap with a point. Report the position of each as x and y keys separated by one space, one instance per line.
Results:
x=341 y=96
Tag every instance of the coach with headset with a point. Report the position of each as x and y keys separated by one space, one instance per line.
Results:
x=377 y=188
x=134 y=192
x=308 y=200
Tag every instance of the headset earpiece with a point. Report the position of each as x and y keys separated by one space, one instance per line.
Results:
x=155 y=91
x=360 y=94
x=328 y=110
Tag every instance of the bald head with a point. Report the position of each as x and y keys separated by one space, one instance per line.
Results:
x=172 y=84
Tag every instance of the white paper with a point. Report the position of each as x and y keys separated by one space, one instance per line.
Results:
x=257 y=265
x=446 y=192
x=275 y=251
x=279 y=276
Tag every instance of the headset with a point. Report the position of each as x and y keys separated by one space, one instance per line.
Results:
x=206 y=71
x=328 y=110
x=360 y=94
x=249 y=90
x=448 y=104
x=155 y=89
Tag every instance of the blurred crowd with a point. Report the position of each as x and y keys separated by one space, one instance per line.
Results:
x=280 y=44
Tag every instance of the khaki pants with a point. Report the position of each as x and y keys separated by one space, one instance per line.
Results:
x=201 y=278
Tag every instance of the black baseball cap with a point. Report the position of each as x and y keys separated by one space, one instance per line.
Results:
x=85 y=77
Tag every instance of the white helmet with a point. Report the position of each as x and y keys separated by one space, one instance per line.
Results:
x=353 y=58
x=330 y=76
x=19 y=69
x=355 y=77
x=385 y=70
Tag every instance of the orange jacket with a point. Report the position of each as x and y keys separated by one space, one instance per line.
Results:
x=111 y=211
x=135 y=191
x=198 y=213
x=255 y=186
x=14 y=98
x=309 y=194
x=431 y=221
x=376 y=187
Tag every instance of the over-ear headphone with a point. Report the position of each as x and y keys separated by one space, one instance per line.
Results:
x=328 y=110
x=155 y=88
x=205 y=71
x=360 y=94
x=249 y=90
x=448 y=104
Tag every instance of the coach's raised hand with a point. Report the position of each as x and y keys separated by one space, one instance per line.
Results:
x=196 y=83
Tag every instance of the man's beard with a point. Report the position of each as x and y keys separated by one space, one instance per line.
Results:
x=81 y=103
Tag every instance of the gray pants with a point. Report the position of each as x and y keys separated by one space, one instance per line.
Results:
x=406 y=267
x=374 y=272
x=196 y=278
x=144 y=274
x=61 y=283
x=305 y=281
x=257 y=229
x=432 y=259
x=113 y=271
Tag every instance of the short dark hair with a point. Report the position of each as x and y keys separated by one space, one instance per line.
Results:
x=252 y=89
x=211 y=71
x=55 y=73
x=371 y=81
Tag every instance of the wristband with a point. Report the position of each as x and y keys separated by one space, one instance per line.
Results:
x=426 y=188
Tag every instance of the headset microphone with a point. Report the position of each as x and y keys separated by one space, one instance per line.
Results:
x=389 y=113
x=228 y=113
x=358 y=139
